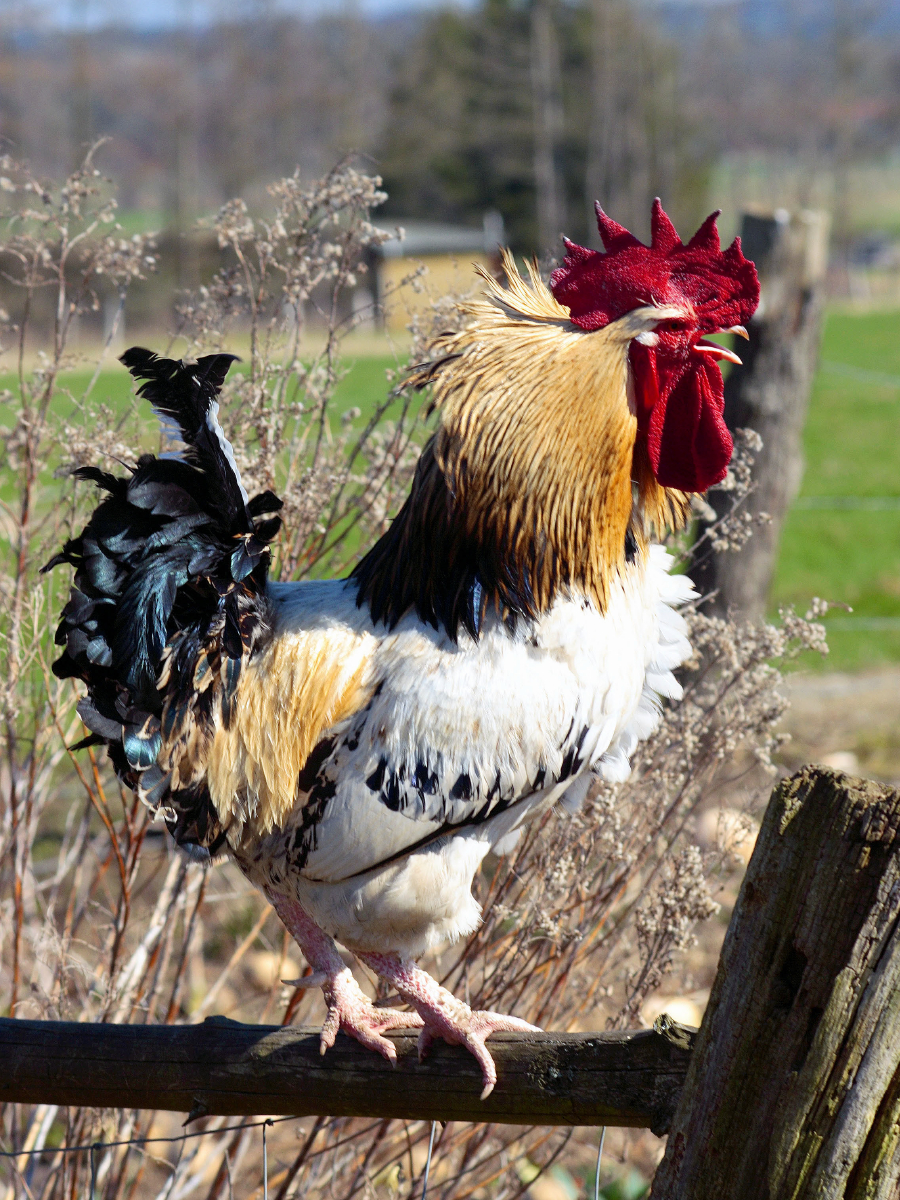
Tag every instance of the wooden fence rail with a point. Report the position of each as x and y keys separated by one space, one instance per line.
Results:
x=225 y=1068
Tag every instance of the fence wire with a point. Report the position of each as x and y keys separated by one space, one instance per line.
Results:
x=93 y=1147
x=94 y=1150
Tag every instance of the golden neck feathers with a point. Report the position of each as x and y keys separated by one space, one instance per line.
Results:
x=532 y=483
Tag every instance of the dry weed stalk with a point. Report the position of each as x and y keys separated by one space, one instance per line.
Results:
x=338 y=480
x=101 y=920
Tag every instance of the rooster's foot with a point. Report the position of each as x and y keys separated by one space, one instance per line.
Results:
x=443 y=1015
x=349 y=1008
x=351 y=1011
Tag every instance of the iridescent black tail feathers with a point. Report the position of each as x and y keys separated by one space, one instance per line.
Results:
x=170 y=576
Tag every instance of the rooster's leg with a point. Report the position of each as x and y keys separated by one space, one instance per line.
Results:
x=349 y=1009
x=443 y=1015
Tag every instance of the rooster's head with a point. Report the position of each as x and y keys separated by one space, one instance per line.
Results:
x=696 y=289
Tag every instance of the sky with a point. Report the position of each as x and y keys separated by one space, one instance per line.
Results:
x=756 y=16
x=161 y=14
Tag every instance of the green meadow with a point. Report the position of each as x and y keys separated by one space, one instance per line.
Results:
x=842 y=537
x=363 y=385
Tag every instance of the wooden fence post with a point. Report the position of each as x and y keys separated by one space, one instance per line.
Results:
x=770 y=394
x=793 y=1091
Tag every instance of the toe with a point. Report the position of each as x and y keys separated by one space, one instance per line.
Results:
x=383 y=1046
x=492 y=1022
x=392 y=1019
x=475 y=1044
x=330 y=1027
x=470 y=1029
x=368 y=1034
x=426 y=1039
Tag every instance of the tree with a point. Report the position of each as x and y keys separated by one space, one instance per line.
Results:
x=538 y=111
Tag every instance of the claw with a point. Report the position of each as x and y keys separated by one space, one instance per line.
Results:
x=329 y=1032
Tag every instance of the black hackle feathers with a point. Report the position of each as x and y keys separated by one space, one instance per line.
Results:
x=172 y=562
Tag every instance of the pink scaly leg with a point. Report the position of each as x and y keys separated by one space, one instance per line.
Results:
x=349 y=1008
x=443 y=1015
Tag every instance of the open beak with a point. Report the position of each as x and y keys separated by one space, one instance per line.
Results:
x=711 y=350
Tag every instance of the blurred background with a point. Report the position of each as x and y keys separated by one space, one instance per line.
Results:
x=531 y=109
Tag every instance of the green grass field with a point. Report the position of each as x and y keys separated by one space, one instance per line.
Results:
x=852 y=444
x=363 y=385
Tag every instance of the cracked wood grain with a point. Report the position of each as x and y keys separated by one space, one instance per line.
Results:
x=224 y=1067
x=793 y=1092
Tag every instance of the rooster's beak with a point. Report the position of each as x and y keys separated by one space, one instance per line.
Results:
x=714 y=351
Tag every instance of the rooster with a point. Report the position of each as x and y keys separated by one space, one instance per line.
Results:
x=359 y=745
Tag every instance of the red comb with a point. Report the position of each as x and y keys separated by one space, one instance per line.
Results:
x=720 y=286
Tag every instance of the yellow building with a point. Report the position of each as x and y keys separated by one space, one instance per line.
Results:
x=428 y=261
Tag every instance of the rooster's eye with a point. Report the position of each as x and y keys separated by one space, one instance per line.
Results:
x=674 y=325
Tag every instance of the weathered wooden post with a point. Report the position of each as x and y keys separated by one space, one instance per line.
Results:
x=770 y=394
x=793 y=1092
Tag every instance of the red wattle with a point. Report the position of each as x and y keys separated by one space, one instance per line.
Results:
x=680 y=412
